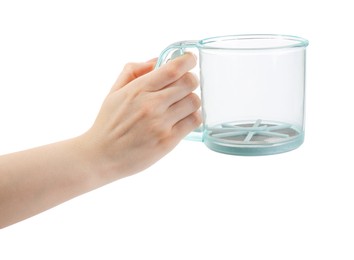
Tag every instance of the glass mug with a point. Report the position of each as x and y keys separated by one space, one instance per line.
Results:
x=252 y=91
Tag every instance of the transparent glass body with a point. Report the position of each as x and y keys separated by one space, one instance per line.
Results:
x=252 y=90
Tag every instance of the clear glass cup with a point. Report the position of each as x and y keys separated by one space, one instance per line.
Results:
x=252 y=91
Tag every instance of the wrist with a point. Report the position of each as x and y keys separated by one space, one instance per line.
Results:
x=95 y=161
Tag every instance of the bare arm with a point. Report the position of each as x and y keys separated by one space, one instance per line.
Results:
x=143 y=117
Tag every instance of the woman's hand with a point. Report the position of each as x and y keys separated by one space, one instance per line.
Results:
x=144 y=116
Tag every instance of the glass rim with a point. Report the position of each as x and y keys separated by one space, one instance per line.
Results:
x=296 y=41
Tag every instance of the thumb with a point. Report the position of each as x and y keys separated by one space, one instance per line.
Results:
x=133 y=71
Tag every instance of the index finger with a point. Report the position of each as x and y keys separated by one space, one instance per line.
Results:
x=170 y=72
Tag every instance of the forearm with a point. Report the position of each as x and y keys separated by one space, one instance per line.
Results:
x=144 y=117
x=35 y=180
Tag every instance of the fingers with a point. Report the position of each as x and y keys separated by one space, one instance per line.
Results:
x=178 y=89
x=186 y=125
x=169 y=90
x=182 y=109
x=157 y=79
x=169 y=72
x=133 y=71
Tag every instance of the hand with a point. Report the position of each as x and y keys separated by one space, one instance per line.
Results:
x=145 y=115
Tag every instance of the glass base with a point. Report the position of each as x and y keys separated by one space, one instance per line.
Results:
x=253 y=138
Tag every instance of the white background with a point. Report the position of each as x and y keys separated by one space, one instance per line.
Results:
x=58 y=60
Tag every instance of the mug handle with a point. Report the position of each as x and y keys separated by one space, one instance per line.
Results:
x=171 y=52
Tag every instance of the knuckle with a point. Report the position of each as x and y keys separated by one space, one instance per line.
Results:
x=151 y=105
x=172 y=70
x=161 y=96
x=190 y=80
x=163 y=133
x=147 y=110
x=158 y=130
x=197 y=118
x=129 y=67
x=194 y=120
x=166 y=144
x=194 y=100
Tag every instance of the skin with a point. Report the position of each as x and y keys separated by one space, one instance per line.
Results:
x=145 y=115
